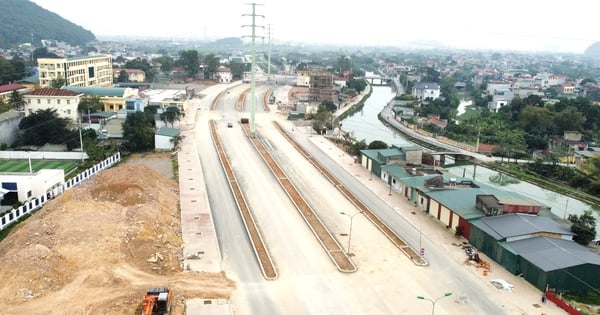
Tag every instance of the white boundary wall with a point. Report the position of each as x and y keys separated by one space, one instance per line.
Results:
x=38 y=202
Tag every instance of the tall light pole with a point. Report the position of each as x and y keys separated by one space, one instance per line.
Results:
x=351 y=216
x=434 y=301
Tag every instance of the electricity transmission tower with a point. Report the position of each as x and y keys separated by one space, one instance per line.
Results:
x=253 y=26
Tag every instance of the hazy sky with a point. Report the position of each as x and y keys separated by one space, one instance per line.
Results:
x=508 y=24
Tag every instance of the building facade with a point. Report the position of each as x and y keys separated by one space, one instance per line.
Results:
x=77 y=71
x=425 y=90
x=133 y=75
x=64 y=101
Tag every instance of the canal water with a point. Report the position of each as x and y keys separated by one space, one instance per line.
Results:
x=366 y=125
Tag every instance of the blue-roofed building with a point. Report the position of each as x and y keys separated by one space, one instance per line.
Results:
x=454 y=201
x=539 y=249
x=374 y=159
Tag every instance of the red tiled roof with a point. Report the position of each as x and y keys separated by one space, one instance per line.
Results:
x=52 y=92
x=11 y=87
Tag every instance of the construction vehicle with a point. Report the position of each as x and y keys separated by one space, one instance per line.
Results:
x=157 y=301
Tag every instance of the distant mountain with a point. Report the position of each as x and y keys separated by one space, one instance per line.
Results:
x=593 y=50
x=20 y=20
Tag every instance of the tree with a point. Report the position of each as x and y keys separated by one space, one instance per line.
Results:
x=171 y=114
x=46 y=126
x=377 y=144
x=4 y=107
x=237 y=69
x=357 y=146
x=16 y=101
x=90 y=105
x=358 y=85
x=58 y=82
x=189 y=61
x=212 y=63
x=344 y=63
x=532 y=117
x=166 y=63
x=43 y=53
x=584 y=226
x=138 y=131
x=569 y=119
x=123 y=76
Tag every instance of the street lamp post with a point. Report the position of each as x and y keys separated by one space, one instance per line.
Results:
x=351 y=216
x=434 y=301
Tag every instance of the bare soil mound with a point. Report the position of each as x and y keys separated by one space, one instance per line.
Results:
x=99 y=246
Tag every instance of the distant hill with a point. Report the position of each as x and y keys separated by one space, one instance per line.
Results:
x=593 y=50
x=22 y=19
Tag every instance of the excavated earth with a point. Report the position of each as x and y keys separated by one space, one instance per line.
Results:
x=96 y=248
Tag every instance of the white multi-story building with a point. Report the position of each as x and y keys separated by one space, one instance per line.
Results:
x=77 y=71
x=64 y=101
x=425 y=90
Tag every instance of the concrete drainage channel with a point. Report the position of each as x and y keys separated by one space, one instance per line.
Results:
x=328 y=242
x=410 y=252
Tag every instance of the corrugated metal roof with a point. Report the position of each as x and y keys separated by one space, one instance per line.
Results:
x=168 y=132
x=461 y=201
x=510 y=225
x=389 y=152
x=98 y=91
x=553 y=254
x=372 y=154
x=396 y=171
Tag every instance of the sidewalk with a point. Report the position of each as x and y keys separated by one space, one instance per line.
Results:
x=525 y=297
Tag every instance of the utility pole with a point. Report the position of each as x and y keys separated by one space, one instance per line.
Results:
x=80 y=139
x=269 y=52
x=253 y=67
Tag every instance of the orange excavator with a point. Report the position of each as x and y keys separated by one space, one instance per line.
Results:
x=157 y=301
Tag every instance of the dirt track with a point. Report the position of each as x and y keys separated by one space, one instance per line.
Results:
x=98 y=247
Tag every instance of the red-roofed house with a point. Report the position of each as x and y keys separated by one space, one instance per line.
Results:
x=223 y=75
x=7 y=89
x=64 y=101
x=434 y=119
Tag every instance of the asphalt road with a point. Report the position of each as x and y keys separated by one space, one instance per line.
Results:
x=386 y=281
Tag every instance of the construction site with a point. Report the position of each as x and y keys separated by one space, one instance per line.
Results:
x=98 y=247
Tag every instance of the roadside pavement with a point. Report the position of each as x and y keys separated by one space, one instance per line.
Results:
x=524 y=299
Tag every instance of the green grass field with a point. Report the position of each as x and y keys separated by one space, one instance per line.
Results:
x=22 y=166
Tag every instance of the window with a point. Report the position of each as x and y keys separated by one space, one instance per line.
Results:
x=29 y=101
x=39 y=101
x=48 y=100
x=68 y=101
x=58 y=102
